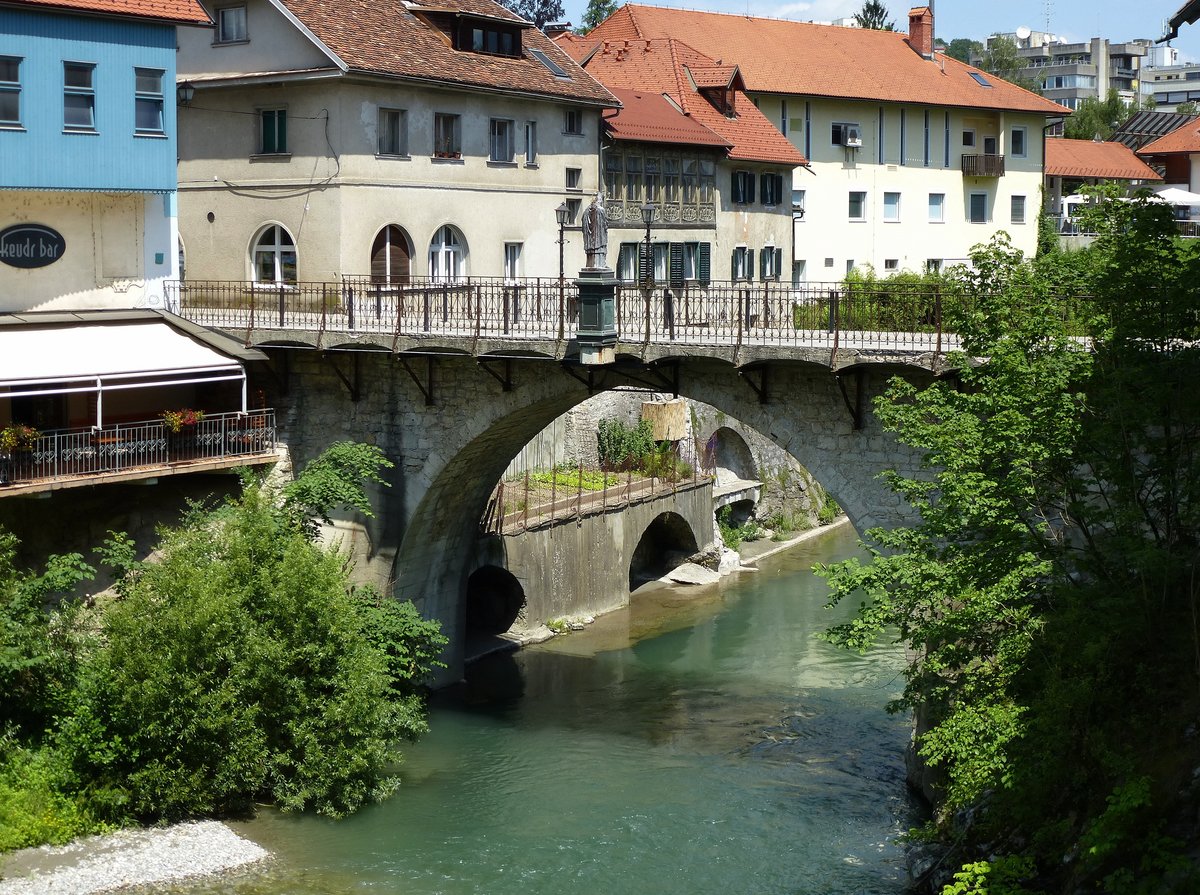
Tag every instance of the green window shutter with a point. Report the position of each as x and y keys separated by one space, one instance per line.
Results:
x=676 y=273
x=762 y=265
x=645 y=261
x=779 y=264
x=764 y=189
x=282 y=124
x=749 y=264
x=704 y=262
x=749 y=187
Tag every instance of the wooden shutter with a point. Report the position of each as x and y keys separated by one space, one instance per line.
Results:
x=749 y=264
x=762 y=264
x=390 y=253
x=676 y=267
x=733 y=264
x=735 y=186
x=704 y=262
x=779 y=264
x=645 y=261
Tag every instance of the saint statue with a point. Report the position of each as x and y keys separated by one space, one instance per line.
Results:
x=595 y=233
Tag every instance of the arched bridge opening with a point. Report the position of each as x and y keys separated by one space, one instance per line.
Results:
x=494 y=600
x=667 y=542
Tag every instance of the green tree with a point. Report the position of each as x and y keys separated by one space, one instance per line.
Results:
x=1096 y=119
x=964 y=49
x=1188 y=108
x=597 y=11
x=874 y=15
x=1046 y=588
x=537 y=11
x=239 y=665
x=1003 y=59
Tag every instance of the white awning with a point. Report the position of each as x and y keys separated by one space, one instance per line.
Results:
x=50 y=360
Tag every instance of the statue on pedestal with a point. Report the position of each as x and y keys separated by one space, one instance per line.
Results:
x=595 y=234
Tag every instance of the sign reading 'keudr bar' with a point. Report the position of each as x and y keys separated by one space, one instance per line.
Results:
x=31 y=245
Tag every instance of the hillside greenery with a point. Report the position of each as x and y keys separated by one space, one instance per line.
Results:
x=239 y=666
x=1048 y=588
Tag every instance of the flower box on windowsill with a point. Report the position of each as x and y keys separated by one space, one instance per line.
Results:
x=447 y=155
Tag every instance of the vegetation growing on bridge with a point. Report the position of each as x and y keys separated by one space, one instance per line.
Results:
x=239 y=665
x=1049 y=591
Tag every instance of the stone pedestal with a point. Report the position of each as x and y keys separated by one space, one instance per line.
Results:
x=597 y=331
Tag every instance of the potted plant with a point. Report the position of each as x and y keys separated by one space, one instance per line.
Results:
x=178 y=420
x=18 y=437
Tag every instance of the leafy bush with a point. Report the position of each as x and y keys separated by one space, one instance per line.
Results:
x=828 y=512
x=35 y=807
x=733 y=534
x=236 y=668
x=620 y=447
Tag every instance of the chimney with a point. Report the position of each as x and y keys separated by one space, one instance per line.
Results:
x=920 y=30
x=554 y=29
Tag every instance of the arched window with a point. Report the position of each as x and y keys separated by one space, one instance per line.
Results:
x=446 y=255
x=274 y=256
x=391 y=257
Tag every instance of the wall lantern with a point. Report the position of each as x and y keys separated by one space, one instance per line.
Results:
x=185 y=92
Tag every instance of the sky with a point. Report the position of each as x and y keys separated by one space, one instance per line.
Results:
x=1074 y=20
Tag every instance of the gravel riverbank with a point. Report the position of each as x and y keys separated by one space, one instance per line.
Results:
x=127 y=859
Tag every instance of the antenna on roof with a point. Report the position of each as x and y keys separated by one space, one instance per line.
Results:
x=1049 y=5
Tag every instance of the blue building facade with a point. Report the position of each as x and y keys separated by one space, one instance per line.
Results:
x=86 y=102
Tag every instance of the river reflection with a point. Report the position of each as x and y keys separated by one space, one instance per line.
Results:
x=701 y=742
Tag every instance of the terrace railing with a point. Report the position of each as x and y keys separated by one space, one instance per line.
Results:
x=883 y=314
x=147 y=445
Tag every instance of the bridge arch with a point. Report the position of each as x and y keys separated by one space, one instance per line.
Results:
x=453 y=432
x=731 y=456
x=494 y=600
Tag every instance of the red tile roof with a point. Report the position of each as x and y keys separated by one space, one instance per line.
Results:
x=656 y=67
x=180 y=12
x=777 y=56
x=391 y=38
x=1182 y=139
x=1087 y=158
x=650 y=118
x=714 y=75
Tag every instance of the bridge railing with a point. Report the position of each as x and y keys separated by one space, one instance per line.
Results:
x=880 y=314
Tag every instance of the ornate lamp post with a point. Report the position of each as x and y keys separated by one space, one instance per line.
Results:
x=561 y=214
x=648 y=210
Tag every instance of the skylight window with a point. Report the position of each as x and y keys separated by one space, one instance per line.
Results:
x=980 y=79
x=554 y=67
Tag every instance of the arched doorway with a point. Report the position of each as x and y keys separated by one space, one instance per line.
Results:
x=667 y=542
x=391 y=257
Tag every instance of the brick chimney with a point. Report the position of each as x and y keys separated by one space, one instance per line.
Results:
x=920 y=30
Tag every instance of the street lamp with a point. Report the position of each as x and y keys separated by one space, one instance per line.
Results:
x=648 y=218
x=561 y=214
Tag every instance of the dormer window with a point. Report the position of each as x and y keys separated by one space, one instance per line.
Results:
x=489 y=36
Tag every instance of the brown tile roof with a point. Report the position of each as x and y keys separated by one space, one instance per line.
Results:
x=777 y=56
x=1182 y=139
x=180 y=12
x=390 y=38
x=661 y=66
x=650 y=118
x=1087 y=158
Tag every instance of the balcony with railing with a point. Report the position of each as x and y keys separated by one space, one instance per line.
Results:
x=65 y=458
x=982 y=165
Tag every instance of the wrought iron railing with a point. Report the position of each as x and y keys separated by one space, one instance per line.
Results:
x=75 y=453
x=688 y=312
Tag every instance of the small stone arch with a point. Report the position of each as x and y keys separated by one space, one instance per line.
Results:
x=494 y=600
x=666 y=543
x=731 y=456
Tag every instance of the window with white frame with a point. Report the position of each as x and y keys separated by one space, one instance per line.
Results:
x=742 y=263
x=393 y=132
x=79 y=96
x=798 y=200
x=274 y=256
x=231 y=25
x=968 y=140
x=10 y=91
x=1018 y=147
x=1017 y=209
x=512 y=260
x=771 y=191
x=978 y=208
x=574 y=178
x=891 y=207
x=573 y=206
x=272 y=131
x=799 y=272
x=691 y=256
x=446 y=256
x=857 y=210
x=933 y=265
x=531 y=146
x=573 y=122
x=148 y=100
x=627 y=262
x=500 y=140
x=937 y=208
x=892 y=264
x=447 y=135
x=771 y=263
x=742 y=188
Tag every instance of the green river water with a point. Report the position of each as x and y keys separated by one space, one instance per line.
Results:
x=701 y=743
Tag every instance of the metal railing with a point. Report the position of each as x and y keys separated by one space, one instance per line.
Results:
x=537 y=500
x=717 y=313
x=74 y=453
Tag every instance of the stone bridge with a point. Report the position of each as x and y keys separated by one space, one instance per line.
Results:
x=452 y=408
